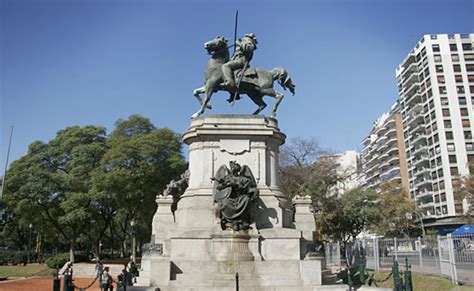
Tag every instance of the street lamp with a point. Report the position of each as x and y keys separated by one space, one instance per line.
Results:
x=134 y=253
x=422 y=225
x=29 y=243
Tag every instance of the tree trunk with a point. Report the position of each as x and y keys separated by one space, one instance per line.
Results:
x=72 y=246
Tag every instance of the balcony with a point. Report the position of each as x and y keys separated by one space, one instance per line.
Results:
x=423 y=193
x=420 y=149
x=422 y=182
x=418 y=138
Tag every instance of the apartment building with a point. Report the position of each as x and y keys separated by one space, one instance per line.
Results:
x=347 y=167
x=436 y=88
x=383 y=155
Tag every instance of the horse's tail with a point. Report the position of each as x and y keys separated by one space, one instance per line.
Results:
x=283 y=78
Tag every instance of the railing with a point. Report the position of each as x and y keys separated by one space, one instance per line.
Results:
x=450 y=256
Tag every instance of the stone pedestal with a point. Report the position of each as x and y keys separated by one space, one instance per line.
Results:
x=199 y=253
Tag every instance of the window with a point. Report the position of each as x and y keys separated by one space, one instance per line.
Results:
x=446 y=112
x=437 y=58
x=440 y=171
x=434 y=36
x=466 y=47
x=454 y=58
x=464 y=112
x=435 y=138
x=462 y=101
x=465 y=123
x=458 y=78
x=460 y=89
x=429 y=93
x=441 y=79
x=470 y=67
x=447 y=124
x=444 y=101
x=426 y=72
x=467 y=135
x=435 y=47
x=452 y=159
x=471 y=88
x=442 y=90
x=469 y=147
x=449 y=135
x=453 y=47
x=451 y=147
x=470 y=78
x=457 y=68
x=439 y=68
x=469 y=57
x=454 y=171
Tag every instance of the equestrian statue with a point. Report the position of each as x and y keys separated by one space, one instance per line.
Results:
x=237 y=77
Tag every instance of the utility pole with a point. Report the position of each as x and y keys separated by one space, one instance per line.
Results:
x=4 y=183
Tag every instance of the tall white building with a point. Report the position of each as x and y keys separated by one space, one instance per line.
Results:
x=436 y=88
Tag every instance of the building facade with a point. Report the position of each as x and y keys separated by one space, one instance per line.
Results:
x=383 y=155
x=436 y=88
x=347 y=166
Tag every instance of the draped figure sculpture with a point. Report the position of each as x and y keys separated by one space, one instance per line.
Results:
x=235 y=192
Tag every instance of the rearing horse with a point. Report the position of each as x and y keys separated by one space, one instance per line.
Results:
x=262 y=85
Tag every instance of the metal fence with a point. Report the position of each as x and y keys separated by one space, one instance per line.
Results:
x=333 y=254
x=450 y=256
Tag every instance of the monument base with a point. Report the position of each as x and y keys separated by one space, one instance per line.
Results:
x=197 y=254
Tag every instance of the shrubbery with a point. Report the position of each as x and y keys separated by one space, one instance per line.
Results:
x=60 y=259
x=13 y=257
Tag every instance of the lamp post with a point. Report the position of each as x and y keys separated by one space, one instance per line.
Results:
x=422 y=225
x=29 y=243
x=134 y=248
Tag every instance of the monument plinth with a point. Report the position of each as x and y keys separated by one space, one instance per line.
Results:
x=198 y=249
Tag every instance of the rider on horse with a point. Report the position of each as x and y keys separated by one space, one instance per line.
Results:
x=244 y=49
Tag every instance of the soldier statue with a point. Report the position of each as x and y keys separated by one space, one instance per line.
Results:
x=243 y=54
x=235 y=75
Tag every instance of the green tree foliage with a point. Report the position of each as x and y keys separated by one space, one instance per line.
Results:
x=344 y=217
x=465 y=190
x=84 y=186
x=139 y=163
x=49 y=187
x=305 y=172
x=399 y=212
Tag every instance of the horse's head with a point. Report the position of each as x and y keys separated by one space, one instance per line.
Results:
x=217 y=44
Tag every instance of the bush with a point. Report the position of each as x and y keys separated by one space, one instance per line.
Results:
x=19 y=258
x=61 y=259
x=58 y=260
x=13 y=257
x=5 y=257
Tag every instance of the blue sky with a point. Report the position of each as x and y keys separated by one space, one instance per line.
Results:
x=80 y=62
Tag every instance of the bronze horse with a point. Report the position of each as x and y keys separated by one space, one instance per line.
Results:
x=261 y=84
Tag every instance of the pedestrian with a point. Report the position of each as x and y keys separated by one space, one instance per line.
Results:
x=106 y=280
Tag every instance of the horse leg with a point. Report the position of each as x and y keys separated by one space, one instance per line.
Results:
x=210 y=87
x=257 y=99
x=279 y=97
x=199 y=91
x=272 y=93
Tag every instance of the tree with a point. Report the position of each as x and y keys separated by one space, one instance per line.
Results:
x=50 y=186
x=140 y=161
x=465 y=191
x=397 y=209
x=305 y=171
x=343 y=218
